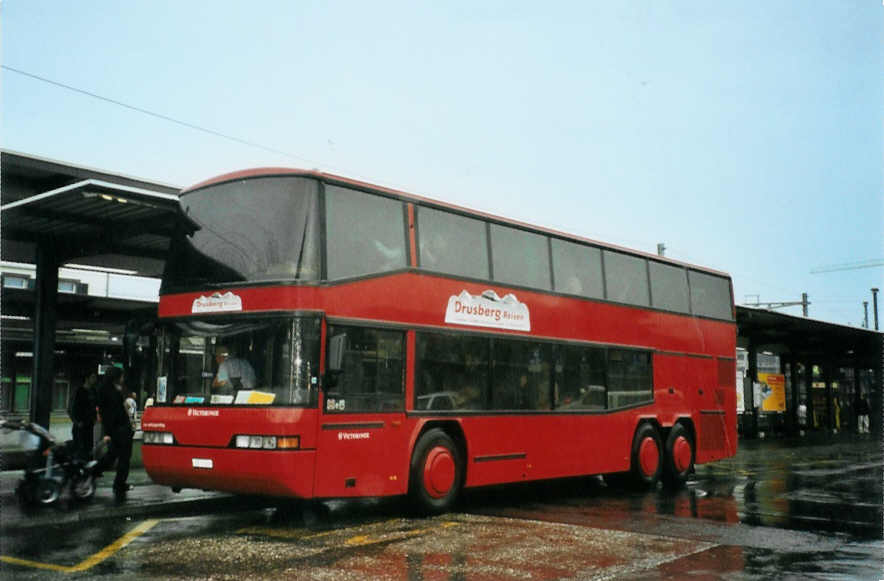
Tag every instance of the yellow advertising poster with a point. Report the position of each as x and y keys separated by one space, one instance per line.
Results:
x=773 y=392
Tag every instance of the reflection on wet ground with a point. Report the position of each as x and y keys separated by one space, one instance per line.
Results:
x=836 y=488
x=775 y=511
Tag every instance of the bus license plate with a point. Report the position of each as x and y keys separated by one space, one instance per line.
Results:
x=204 y=463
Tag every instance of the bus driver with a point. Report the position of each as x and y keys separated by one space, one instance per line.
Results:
x=233 y=372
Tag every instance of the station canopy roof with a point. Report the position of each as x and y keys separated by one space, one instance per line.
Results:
x=95 y=222
x=809 y=340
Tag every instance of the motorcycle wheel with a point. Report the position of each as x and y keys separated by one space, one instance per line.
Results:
x=48 y=492
x=83 y=486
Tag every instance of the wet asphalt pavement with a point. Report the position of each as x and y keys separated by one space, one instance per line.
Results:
x=778 y=510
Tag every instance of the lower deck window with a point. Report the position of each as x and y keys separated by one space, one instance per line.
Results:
x=580 y=378
x=629 y=378
x=463 y=372
x=452 y=372
x=372 y=373
x=521 y=375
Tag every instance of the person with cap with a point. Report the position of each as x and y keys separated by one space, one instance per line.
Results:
x=233 y=372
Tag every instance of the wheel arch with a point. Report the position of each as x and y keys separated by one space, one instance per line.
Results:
x=454 y=431
x=687 y=422
x=653 y=421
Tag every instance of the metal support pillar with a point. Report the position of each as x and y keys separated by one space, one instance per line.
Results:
x=792 y=405
x=749 y=395
x=875 y=306
x=808 y=387
x=46 y=296
x=875 y=399
x=857 y=392
x=830 y=405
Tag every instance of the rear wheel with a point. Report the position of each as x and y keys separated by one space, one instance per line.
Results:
x=647 y=456
x=48 y=491
x=436 y=474
x=679 y=456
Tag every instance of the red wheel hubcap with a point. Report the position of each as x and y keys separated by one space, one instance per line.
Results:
x=681 y=454
x=439 y=472
x=649 y=456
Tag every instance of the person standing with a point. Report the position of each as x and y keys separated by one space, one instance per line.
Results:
x=117 y=429
x=83 y=415
x=862 y=415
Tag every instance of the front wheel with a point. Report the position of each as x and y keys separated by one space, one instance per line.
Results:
x=436 y=474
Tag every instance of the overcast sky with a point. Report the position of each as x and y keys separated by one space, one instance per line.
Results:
x=746 y=136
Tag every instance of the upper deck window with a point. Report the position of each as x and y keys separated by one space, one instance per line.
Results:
x=250 y=230
x=669 y=287
x=520 y=257
x=626 y=278
x=577 y=269
x=710 y=296
x=452 y=244
x=365 y=233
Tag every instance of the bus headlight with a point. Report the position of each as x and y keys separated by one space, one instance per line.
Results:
x=159 y=438
x=259 y=442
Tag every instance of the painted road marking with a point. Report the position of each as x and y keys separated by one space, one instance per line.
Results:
x=362 y=540
x=89 y=562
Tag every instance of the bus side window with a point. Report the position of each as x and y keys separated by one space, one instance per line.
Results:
x=580 y=378
x=365 y=233
x=372 y=375
x=452 y=372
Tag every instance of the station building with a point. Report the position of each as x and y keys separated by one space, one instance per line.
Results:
x=82 y=252
x=86 y=228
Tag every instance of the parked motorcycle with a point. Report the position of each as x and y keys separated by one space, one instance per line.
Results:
x=53 y=467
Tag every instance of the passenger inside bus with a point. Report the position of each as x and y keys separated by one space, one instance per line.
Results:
x=234 y=373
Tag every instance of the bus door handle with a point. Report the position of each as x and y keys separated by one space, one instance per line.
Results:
x=701 y=391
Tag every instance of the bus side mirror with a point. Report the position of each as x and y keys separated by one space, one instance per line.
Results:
x=336 y=345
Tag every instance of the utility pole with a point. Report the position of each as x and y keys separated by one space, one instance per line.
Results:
x=866 y=316
x=875 y=306
x=779 y=305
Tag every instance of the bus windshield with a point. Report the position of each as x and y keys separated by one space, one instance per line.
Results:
x=254 y=229
x=237 y=361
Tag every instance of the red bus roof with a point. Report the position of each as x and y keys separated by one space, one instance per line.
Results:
x=407 y=196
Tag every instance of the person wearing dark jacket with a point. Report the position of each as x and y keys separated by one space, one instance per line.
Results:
x=862 y=415
x=83 y=417
x=117 y=429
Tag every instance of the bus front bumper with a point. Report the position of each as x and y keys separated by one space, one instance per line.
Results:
x=287 y=473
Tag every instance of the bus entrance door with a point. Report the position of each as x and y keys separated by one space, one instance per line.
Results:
x=361 y=457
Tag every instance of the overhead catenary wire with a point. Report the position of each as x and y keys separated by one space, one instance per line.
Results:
x=249 y=143
x=144 y=111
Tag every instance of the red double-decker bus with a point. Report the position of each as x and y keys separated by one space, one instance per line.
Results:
x=321 y=337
